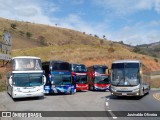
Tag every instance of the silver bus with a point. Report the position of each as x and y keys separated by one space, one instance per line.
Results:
x=25 y=77
x=127 y=79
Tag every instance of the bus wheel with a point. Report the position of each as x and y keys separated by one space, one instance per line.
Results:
x=92 y=88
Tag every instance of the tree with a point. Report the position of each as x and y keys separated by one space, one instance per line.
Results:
x=121 y=42
x=104 y=37
x=96 y=36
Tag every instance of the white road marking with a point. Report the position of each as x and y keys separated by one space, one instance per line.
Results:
x=107 y=98
x=107 y=104
x=113 y=116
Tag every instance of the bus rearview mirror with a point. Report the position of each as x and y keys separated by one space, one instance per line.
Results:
x=44 y=79
x=140 y=72
x=107 y=72
x=10 y=81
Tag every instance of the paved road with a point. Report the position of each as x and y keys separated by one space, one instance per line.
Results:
x=146 y=103
x=81 y=101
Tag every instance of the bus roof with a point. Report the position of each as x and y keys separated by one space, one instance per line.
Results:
x=33 y=57
x=77 y=64
x=95 y=66
x=126 y=61
x=54 y=61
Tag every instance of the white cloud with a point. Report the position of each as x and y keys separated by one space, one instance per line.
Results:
x=125 y=7
x=157 y=6
x=140 y=33
x=75 y=22
x=27 y=11
x=38 y=11
x=30 y=10
x=35 y=11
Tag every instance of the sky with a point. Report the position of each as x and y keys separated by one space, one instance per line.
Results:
x=134 y=22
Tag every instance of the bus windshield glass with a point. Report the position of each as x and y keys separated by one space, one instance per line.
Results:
x=61 y=67
x=79 y=68
x=100 y=70
x=101 y=80
x=24 y=64
x=82 y=79
x=27 y=79
x=125 y=74
x=61 y=79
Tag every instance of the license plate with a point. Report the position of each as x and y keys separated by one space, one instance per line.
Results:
x=124 y=93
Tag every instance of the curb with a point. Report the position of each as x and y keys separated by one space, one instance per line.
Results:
x=154 y=89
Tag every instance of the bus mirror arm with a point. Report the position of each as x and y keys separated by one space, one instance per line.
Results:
x=44 y=79
x=10 y=81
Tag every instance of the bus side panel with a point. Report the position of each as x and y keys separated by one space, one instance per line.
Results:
x=66 y=89
x=8 y=75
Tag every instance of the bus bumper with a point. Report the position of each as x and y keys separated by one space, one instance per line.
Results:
x=62 y=89
x=101 y=88
x=30 y=94
x=81 y=87
x=137 y=93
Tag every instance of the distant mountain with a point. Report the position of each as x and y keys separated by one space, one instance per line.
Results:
x=152 y=49
x=56 y=43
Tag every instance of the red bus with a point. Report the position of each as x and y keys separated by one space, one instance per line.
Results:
x=79 y=73
x=98 y=77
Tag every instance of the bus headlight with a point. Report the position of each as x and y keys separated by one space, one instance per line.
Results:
x=52 y=82
x=113 y=89
x=17 y=90
x=135 y=90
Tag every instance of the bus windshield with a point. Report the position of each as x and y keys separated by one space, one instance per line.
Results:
x=23 y=64
x=27 y=79
x=61 y=79
x=125 y=74
x=101 y=80
x=101 y=70
x=78 y=68
x=61 y=66
x=82 y=79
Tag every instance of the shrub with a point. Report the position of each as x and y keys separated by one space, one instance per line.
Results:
x=155 y=59
x=136 y=50
x=13 y=25
x=21 y=33
x=111 y=49
x=42 y=40
x=29 y=35
x=101 y=41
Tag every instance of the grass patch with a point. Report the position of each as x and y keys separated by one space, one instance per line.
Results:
x=2 y=85
x=2 y=80
x=155 y=83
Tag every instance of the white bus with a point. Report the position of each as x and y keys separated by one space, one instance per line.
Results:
x=25 y=77
x=127 y=79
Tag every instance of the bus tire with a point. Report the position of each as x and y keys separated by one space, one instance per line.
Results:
x=92 y=88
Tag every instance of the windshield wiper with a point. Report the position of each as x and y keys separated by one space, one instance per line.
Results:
x=119 y=82
x=128 y=82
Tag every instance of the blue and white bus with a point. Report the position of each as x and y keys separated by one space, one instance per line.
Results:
x=25 y=77
x=59 y=77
